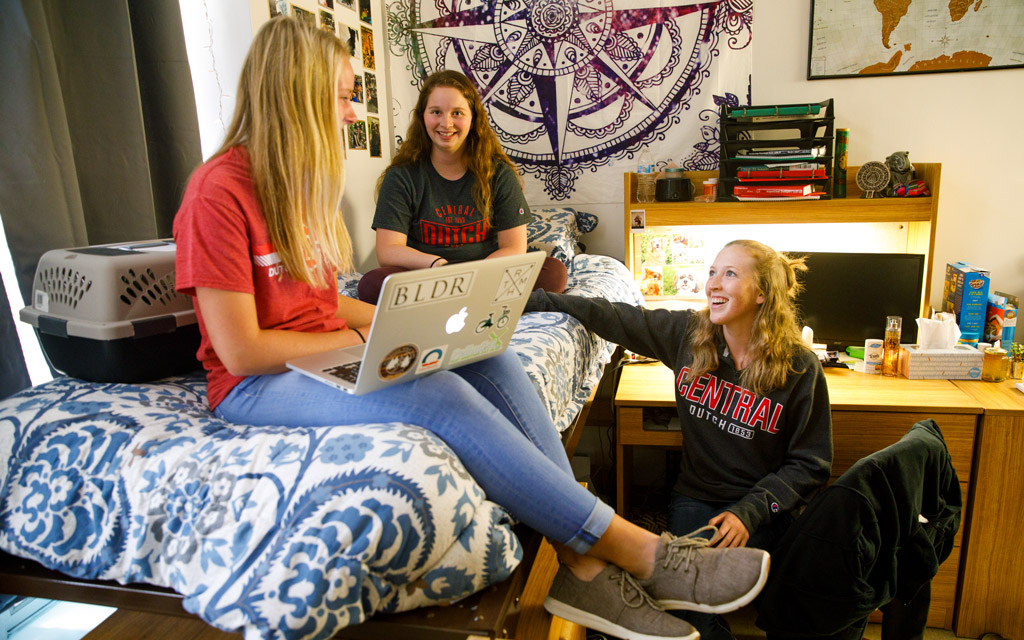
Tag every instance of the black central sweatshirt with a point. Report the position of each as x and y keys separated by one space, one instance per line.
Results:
x=765 y=454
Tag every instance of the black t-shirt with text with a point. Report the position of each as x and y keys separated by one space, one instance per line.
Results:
x=439 y=216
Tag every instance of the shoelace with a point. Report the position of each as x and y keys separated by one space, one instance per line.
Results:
x=685 y=548
x=640 y=597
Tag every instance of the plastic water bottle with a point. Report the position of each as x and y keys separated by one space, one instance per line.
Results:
x=645 y=177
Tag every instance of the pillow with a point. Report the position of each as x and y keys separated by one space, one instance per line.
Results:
x=586 y=222
x=556 y=231
x=347 y=283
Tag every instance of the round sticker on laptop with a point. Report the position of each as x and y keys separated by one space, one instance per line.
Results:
x=398 y=362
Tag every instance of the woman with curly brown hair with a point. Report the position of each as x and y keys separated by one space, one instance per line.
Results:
x=751 y=398
x=451 y=193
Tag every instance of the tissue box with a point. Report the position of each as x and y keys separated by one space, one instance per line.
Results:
x=965 y=295
x=961 y=362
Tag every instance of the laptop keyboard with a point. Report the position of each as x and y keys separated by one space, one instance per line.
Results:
x=347 y=372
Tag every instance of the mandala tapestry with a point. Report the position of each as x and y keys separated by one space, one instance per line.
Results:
x=576 y=88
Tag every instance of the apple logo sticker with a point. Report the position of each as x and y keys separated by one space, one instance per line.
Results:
x=457 y=322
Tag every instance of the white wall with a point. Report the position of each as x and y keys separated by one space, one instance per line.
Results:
x=968 y=121
x=217 y=37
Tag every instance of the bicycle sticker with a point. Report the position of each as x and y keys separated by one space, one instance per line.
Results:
x=490 y=321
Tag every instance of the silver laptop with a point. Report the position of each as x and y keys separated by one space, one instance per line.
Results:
x=431 y=320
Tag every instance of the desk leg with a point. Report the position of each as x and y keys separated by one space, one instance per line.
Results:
x=993 y=569
x=623 y=467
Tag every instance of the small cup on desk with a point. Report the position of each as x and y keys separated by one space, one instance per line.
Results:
x=995 y=366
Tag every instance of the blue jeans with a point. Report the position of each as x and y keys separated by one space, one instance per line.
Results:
x=488 y=412
x=686 y=514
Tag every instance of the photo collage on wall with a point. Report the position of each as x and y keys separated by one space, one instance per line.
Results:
x=672 y=264
x=351 y=21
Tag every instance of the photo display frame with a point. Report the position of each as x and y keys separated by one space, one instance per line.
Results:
x=856 y=39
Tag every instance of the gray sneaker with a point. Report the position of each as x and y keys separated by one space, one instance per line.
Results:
x=615 y=604
x=688 y=574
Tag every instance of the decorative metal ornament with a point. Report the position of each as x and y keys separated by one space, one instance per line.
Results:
x=872 y=179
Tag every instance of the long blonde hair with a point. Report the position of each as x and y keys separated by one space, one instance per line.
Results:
x=775 y=337
x=286 y=117
x=482 y=150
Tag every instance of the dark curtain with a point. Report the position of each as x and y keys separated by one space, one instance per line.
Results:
x=98 y=128
x=13 y=374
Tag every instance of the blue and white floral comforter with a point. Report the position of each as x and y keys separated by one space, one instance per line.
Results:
x=282 y=532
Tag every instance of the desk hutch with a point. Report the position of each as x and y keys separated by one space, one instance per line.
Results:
x=919 y=214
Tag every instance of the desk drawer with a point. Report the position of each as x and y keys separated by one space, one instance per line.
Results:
x=856 y=434
x=631 y=430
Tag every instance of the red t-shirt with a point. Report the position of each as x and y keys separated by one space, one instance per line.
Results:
x=223 y=243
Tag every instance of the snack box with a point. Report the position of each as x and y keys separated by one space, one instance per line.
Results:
x=965 y=295
x=1009 y=317
x=109 y=313
x=995 y=317
x=962 y=362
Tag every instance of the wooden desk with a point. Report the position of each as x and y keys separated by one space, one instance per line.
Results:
x=991 y=586
x=869 y=413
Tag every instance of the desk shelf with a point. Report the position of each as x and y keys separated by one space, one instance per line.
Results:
x=919 y=214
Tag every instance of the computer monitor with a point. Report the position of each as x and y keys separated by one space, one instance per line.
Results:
x=847 y=296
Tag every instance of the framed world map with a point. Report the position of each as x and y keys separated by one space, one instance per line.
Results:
x=854 y=38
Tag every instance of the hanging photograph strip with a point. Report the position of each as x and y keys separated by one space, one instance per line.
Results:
x=357 y=135
x=373 y=124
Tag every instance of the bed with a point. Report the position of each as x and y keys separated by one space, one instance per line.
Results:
x=281 y=533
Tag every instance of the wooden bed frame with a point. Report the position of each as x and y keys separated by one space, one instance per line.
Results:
x=494 y=612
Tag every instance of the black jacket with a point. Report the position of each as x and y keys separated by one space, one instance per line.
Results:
x=861 y=543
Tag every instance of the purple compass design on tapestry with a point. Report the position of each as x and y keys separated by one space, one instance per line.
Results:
x=570 y=85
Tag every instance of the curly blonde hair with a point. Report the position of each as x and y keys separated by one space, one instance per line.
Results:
x=775 y=338
x=287 y=118
x=482 y=147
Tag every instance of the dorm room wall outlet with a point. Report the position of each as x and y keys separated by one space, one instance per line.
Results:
x=965 y=295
